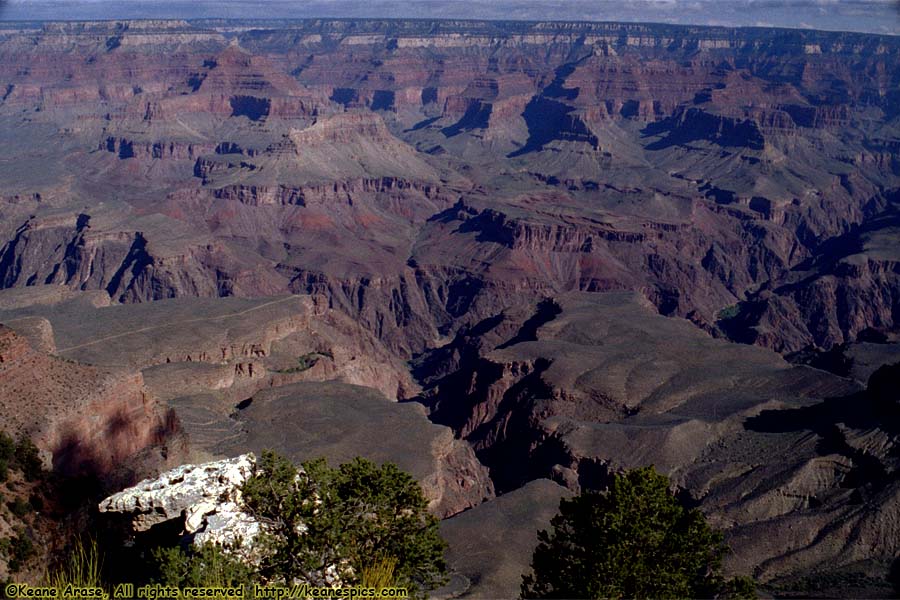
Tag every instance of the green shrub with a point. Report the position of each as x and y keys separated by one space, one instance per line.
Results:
x=729 y=312
x=633 y=541
x=20 y=507
x=209 y=566
x=28 y=459
x=20 y=550
x=7 y=447
x=7 y=453
x=355 y=515
x=305 y=362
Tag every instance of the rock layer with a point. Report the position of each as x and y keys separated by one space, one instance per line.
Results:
x=313 y=157
x=87 y=420
x=464 y=195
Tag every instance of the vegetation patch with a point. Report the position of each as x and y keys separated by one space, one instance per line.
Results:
x=17 y=550
x=306 y=362
x=21 y=455
x=635 y=540
x=729 y=312
x=81 y=568
x=357 y=524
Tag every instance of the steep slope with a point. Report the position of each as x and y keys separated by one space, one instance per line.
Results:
x=595 y=383
x=87 y=420
x=238 y=374
x=313 y=156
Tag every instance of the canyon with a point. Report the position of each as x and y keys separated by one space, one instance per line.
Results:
x=511 y=257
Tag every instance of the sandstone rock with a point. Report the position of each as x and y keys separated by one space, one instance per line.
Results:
x=90 y=420
x=604 y=384
x=325 y=167
x=195 y=493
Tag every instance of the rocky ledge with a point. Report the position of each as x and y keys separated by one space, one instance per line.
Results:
x=206 y=496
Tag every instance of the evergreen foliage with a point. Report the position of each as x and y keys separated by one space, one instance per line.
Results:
x=7 y=452
x=633 y=541
x=28 y=460
x=21 y=455
x=17 y=550
x=357 y=515
x=207 y=566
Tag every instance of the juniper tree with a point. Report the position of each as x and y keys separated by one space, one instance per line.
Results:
x=634 y=540
x=356 y=515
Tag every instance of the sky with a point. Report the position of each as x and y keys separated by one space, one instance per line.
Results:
x=874 y=16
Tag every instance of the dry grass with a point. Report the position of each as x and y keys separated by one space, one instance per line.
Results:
x=379 y=574
x=81 y=569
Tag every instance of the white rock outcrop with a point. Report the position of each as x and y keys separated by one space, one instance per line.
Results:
x=207 y=499
x=206 y=496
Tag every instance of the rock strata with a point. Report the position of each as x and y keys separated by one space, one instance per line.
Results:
x=85 y=419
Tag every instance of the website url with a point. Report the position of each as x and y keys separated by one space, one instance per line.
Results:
x=308 y=591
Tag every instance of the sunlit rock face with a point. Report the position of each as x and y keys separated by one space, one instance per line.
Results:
x=207 y=497
x=421 y=175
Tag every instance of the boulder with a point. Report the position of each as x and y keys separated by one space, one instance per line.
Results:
x=206 y=496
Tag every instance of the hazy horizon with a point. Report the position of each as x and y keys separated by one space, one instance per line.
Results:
x=870 y=16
